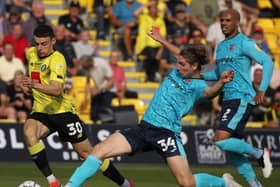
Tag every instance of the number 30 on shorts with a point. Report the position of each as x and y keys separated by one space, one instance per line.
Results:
x=74 y=128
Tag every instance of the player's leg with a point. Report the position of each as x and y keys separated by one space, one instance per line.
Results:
x=33 y=131
x=244 y=168
x=239 y=146
x=181 y=170
x=107 y=168
x=228 y=143
x=235 y=114
x=170 y=146
x=237 y=158
x=114 y=145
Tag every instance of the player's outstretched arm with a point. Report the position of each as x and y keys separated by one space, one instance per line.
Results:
x=158 y=37
x=54 y=88
x=212 y=91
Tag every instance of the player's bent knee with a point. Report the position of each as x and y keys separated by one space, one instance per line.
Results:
x=221 y=135
x=100 y=152
x=29 y=134
x=83 y=153
x=33 y=131
x=83 y=148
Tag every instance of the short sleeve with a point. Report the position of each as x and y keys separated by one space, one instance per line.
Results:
x=58 y=68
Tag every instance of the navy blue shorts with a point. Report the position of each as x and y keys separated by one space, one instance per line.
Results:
x=234 y=116
x=146 y=137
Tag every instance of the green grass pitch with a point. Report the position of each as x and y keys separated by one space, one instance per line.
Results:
x=12 y=174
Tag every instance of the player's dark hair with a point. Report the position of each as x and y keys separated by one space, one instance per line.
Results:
x=195 y=53
x=43 y=30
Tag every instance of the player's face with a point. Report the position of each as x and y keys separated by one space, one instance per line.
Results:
x=228 y=24
x=184 y=68
x=44 y=45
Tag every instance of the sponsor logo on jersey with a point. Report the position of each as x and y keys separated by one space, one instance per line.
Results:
x=231 y=47
x=43 y=67
x=225 y=60
x=175 y=84
x=59 y=66
x=188 y=81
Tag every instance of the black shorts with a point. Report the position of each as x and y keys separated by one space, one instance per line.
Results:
x=68 y=125
x=146 y=137
x=234 y=116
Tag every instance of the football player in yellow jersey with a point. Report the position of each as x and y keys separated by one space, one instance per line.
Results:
x=52 y=109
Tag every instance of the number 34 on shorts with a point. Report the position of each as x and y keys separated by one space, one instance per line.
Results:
x=167 y=144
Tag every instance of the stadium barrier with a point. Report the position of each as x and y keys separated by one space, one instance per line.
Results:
x=197 y=141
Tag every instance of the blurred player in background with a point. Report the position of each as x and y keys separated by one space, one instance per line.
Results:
x=236 y=52
x=52 y=109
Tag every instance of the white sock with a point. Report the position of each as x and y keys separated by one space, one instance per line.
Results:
x=51 y=178
x=125 y=183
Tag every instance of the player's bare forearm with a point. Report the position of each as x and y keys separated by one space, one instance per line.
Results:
x=53 y=89
x=212 y=91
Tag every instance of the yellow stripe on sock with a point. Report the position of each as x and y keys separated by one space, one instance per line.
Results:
x=104 y=165
x=36 y=148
